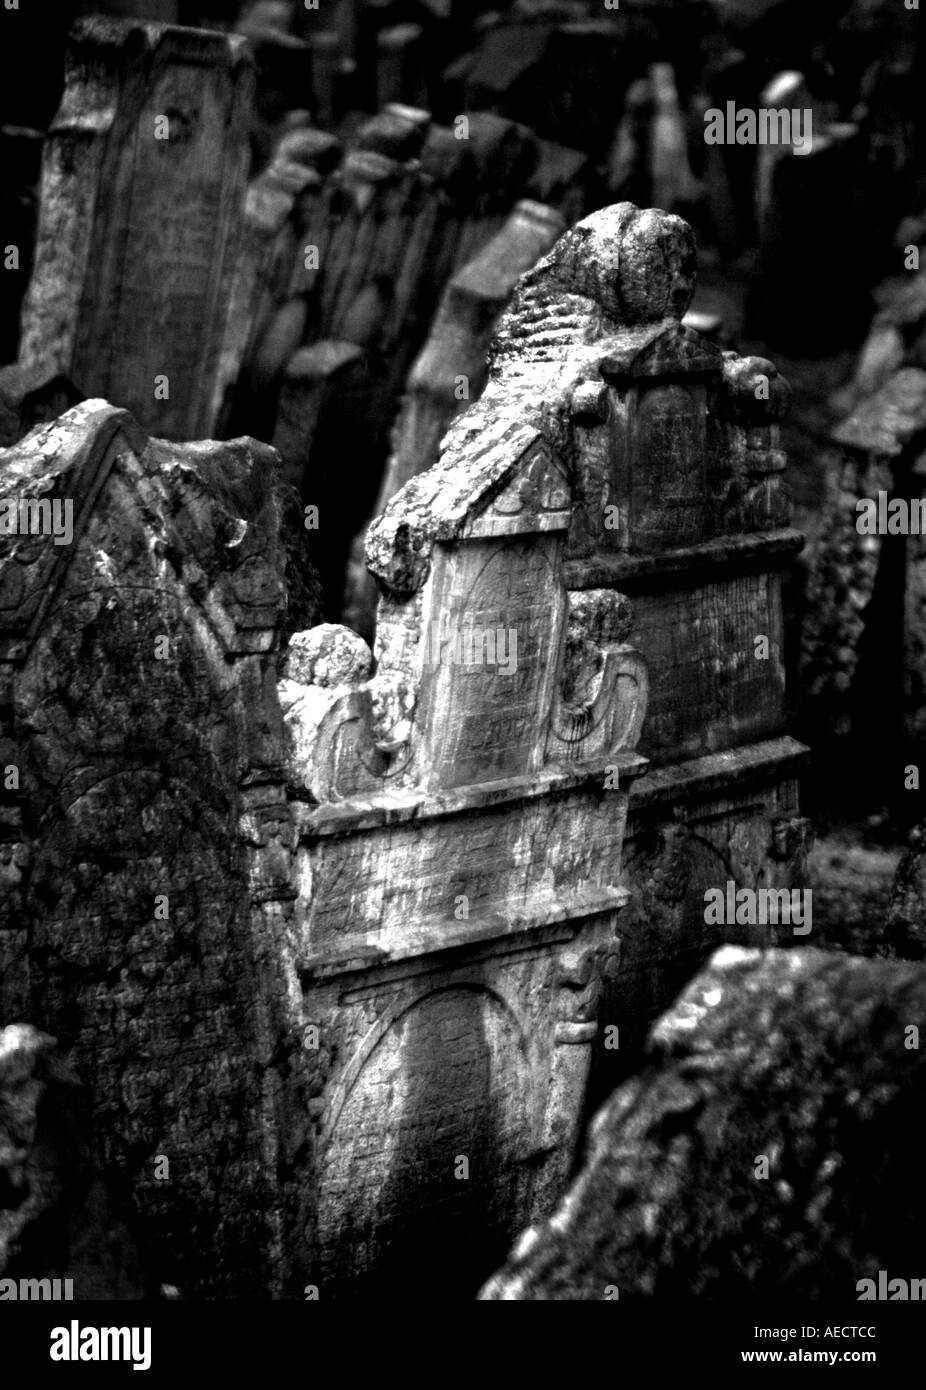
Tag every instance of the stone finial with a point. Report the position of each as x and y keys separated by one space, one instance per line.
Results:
x=328 y=655
x=754 y=391
x=639 y=265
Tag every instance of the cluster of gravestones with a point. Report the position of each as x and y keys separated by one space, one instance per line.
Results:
x=345 y=948
x=326 y=275
x=345 y=942
x=296 y=301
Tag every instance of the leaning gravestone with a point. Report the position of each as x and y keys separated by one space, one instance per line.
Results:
x=141 y=752
x=142 y=197
x=766 y=1148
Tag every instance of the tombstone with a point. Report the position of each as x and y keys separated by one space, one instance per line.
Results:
x=564 y=179
x=388 y=225
x=505 y=156
x=672 y=182
x=284 y=66
x=762 y=1151
x=460 y=335
x=400 y=64
x=863 y=659
x=144 y=587
x=439 y=956
x=278 y=202
x=677 y=502
x=564 y=81
x=504 y=670
x=142 y=197
x=312 y=375
x=327 y=78
x=788 y=91
x=356 y=904
x=397 y=131
x=816 y=233
x=21 y=157
x=451 y=370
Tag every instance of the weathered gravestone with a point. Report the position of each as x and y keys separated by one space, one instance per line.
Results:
x=863 y=654
x=462 y=811
x=765 y=1148
x=143 y=587
x=451 y=370
x=457 y=869
x=407 y=203
x=672 y=451
x=143 y=187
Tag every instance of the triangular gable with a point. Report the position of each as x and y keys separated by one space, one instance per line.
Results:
x=662 y=349
x=536 y=497
x=31 y=573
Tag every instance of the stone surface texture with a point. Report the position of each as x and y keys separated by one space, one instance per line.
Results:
x=798 y=1057
x=138 y=673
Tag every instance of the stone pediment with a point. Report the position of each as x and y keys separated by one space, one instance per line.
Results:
x=96 y=465
x=659 y=349
x=506 y=482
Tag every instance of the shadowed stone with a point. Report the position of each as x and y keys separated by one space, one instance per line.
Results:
x=57 y=1219
x=802 y=1059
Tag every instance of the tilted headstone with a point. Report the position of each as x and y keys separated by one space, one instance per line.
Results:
x=143 y=589
x=143 y=188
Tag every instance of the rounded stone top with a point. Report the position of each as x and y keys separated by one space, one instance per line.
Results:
x=639 y=265
x=327 y=655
